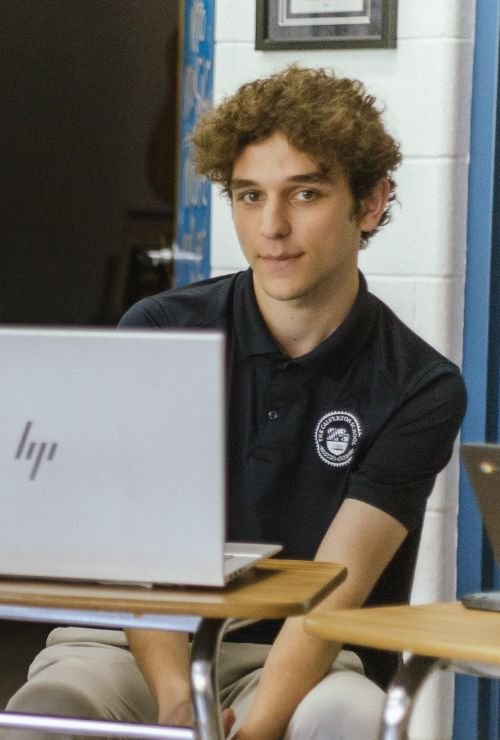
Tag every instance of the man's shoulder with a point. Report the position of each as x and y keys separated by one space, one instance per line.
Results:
x=402 y=352
x=204 y=304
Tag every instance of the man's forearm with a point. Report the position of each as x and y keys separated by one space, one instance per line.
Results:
x=163 y=658
x=297 y=661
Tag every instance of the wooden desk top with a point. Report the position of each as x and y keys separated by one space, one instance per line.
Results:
x=274 y=589
x=446 y=630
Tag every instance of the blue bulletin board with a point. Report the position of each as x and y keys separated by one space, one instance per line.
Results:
x=477 y=701
x=192 y=240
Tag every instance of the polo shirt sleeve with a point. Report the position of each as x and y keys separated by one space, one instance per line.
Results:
x=145 y=314
x=397 y=472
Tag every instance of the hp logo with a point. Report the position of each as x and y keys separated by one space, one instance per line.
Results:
x=34 y=451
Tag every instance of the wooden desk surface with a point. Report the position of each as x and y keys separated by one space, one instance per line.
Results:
x=446 y=630
x=274 y=589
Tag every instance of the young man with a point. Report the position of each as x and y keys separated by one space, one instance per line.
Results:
x=339 y=419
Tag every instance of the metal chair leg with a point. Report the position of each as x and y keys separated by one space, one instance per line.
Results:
x=402 y=693
x=204 y=652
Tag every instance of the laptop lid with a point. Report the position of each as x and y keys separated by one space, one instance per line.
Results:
x=482 y=462
x=112 y=455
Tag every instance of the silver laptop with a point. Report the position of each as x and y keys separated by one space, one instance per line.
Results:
x=112 y=464
x=482 y=462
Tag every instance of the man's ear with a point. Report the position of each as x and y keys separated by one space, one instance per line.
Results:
x=373 y=206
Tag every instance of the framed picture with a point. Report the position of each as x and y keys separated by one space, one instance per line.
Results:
x=323 y=24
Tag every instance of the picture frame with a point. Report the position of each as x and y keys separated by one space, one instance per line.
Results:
x=325 y=24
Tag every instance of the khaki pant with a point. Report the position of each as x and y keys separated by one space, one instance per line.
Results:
x=91 y=673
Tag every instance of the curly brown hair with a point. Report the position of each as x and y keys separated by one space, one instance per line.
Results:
x=332 y=119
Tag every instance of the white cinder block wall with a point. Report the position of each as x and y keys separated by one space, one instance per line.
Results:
x=416 y=263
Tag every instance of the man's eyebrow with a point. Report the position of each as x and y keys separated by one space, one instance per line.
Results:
x=311 y=177
x=305 y=177
x=238 y=183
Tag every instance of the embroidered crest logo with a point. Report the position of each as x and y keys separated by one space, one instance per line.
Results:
x=337 y=435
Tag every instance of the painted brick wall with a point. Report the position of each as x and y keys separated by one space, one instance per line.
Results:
x=416 y=263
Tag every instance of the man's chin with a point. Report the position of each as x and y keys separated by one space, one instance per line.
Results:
x=283 y=293
x=281 y=289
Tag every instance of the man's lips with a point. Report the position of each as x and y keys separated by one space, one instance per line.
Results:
x=276 y=258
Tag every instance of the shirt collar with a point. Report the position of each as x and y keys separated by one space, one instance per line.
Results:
x=336 y=352
x=251 y=331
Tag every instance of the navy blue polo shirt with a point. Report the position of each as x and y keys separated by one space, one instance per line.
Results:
x=370 y=414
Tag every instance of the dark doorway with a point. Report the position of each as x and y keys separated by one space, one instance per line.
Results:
x=87 y=143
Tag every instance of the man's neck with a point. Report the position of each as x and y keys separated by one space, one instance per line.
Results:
x=297 y=326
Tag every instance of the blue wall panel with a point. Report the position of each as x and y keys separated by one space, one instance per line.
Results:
x=192 y=242
x=475 y=712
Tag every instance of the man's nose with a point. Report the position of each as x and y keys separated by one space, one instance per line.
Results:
x=274 y=219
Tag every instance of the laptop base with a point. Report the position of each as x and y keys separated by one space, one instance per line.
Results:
x=487 y=600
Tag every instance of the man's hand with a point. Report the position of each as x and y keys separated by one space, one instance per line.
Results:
x=228 y=720
x=163 y=658
x=182 y=716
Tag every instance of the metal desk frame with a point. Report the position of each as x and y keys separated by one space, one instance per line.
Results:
x=438 y=636
x=404 y=688
x=207 y=636
x=274 y=589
